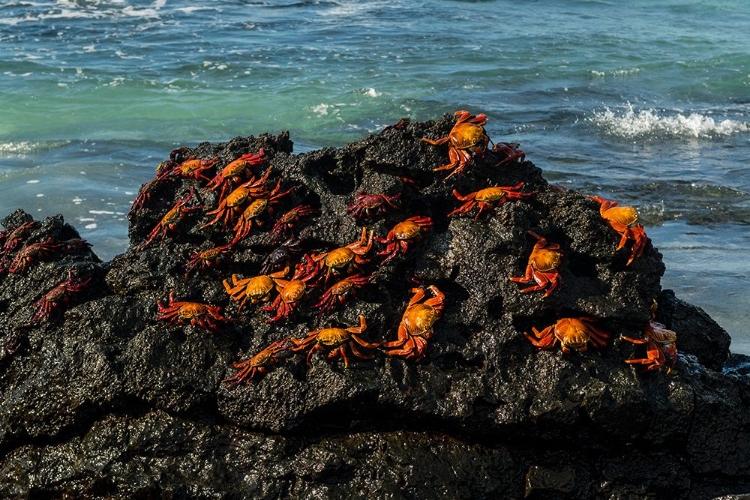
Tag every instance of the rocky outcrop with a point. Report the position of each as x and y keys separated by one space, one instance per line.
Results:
x=102 y=399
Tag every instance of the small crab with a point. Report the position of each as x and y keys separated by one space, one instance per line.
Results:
x=352 y=255
x=257 y=208
x=281 y=256
x=195 y=313
x=489 y=198
x=170 y=220
x=510 y=152
x=340 y=290
x=206 y=259
x=57 y=296
x=337 y=339
x=193 y=168
x=235 y=201
x=260 y=363
x=402 y=236
x=233 y=171
x=30 y=253
x=661 y=349
x=542 y=266
x=291 y=292
x=372 y=205
x=416 y=324
x=144 y=194
x=624 y=221
x=572 y=333
x=256 y=288
x=286 y=223
x=467 y=138
x=13 y=238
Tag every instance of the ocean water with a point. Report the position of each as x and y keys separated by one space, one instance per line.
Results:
x=646 y=103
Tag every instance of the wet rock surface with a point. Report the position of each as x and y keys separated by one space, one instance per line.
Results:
x=102 y=399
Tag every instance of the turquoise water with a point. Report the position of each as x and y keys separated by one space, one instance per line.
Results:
x=645 y=104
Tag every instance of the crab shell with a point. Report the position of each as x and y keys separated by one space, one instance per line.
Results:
x=572 y=333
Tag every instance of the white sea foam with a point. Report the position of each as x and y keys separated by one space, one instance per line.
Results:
x=659 y=123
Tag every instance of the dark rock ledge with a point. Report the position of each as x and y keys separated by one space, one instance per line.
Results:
x=103 y=400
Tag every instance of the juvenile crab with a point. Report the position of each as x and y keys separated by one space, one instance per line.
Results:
x=661 y=349
x=467 y=138
x=234 y=170
x=510 y=152
x=402 y=236
x=489 y=198
x=624 y=221
x=256 y=288
x=170 y=220
x=372 y=205
x=259 y=364
x=206 y=259
x=542 y=266
x=255 y=209
x=572 y=333
x=291 y=292
x=57 y=296
x=282 y=256
x=144 y=194
x=337 y=339
x=340 y=290
x=196 y=313
x=416 y=325
x=352 y=255
x=234 y=203
x=30 y=253
x=287 y=222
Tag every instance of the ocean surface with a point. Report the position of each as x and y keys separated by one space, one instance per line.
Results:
x=642 y=102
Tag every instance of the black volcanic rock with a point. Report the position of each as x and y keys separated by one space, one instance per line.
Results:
x=102 y=399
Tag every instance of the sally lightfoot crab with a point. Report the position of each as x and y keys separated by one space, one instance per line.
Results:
x=624 y=220
x=259 y=364
x=466 y=138
x=572 y=333
x=256 y=288
x=206 y=259
x=57 y=297
x=342 y=258
x=661 y=349
x=195 y=313
x=372 y=205
x=340 y=291
x=401 y=237
x=336 y=339
x=489 y=198
x=542 y=267
x=416 y=325
x=291 y=292
x=170 y=220
x=234 y=171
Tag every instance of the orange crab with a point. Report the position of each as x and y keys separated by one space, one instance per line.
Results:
x=193 y=168
x=339 y=291
x=402 y=236
x=30 y=253
x=572 y=333
x=195 y=313
x=206 y=259
x=291 y=292
x=416 y=324
x=661 y=349
x=342 y=258
x=467 y=137
x=257 y=288
x=624 y=221
x=542 y=267
x=232 y=172
x=170 y=220
x=337 y=339
x=489 y=198
x=255 y=209
x=234 y=203
x=371 y=205
x=56 y=297
x=259 y=364
x=286 y=223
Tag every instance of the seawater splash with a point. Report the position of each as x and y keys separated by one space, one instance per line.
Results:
x=652 y=123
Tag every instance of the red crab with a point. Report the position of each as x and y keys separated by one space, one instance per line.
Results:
x=233 y=171
x=467 y=138
x=234 y=203
x=337 y=339
x=57 y=296
x=342 y=258
x=623 y=220
x=340 y=290
x=291 y=292
x=206 y=259
x=661 y=349
x=144 y=194
x=170 y=220
x=510 y=151
x=259 y=364
x=255 y=209
x=256 y=288
x=372 y=205
x=193 y=168
x=31 y=252
x=572 y=333
x=542 y=266
x=402 y=236
x=195 y=313
x=489 y=198
x=13 y=238
x=286 y=223
x=416 y=324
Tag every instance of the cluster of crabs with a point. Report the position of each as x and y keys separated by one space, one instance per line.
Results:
x=248 y=198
